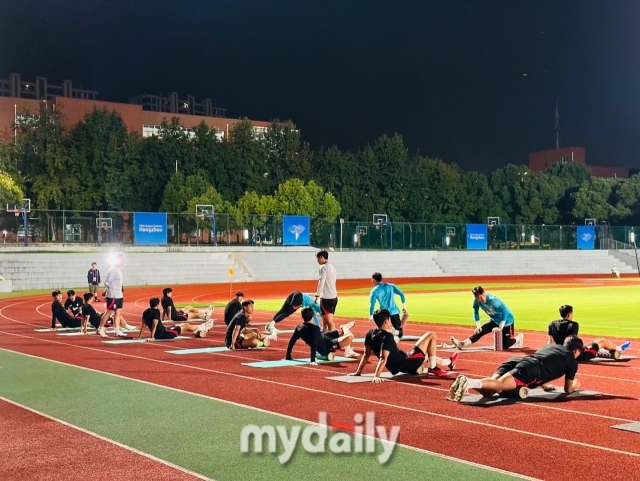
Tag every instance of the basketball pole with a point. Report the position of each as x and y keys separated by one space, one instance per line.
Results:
x=636 y=252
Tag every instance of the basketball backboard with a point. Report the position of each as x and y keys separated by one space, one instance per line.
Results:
x=24 y=205
x=590 y=222
x=204 y=210
x=104 y=223
x=361 y=229
x=493 y=221
x=451 y=231
x=379 y=219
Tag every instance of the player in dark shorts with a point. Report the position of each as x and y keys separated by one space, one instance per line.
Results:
x=519 y=374
x=89 y=314
x=152 y=320
x=169 y=310
x=240 y=335
x=380 y=341
x=327 y=291
x=562 y=328
x=233 y=307
x=73 y=305
x=60 y=314
x=322 y=344
x=292 y=303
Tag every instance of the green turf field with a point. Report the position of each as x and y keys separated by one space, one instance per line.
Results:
x=609 y=310
x=198 y=433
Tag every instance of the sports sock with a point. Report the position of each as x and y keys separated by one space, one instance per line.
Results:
x=466 y=342
x=474 y=384
x=446 y=362
x=432 y=362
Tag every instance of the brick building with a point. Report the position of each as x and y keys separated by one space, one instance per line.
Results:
x=541 y=160
x=143 y=115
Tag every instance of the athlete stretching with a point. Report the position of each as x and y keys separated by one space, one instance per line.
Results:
x=380 y=341
x=292 y=303
x=519 y=374
x=501 y=319
x=152 y=320
x=240 y=336
x=169 y=310
x=384 y=293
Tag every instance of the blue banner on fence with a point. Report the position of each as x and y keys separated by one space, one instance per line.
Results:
x=476 y=236
x=150 y=228
x=295 y=230
x=586 y=237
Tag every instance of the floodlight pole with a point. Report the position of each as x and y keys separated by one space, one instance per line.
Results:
x=636 y=251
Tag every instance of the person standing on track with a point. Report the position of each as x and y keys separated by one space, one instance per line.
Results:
x=519 y=374
x=292 y=303
x=114 y=293
x=500 y=319
x=233 y=307
x=93 y=278
x=384 y=293
x=380 y=342
x=327 y=291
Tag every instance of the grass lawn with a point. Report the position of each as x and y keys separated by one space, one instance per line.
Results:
x=609 y=310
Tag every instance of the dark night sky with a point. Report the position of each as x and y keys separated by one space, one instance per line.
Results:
x=447 y=75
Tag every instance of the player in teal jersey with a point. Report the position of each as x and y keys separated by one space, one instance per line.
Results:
x=501 y=319
x=384 y=293
x=292 y=303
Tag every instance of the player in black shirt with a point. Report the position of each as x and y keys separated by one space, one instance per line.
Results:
x=240 y=335
x=59 y=313
x=151 y=320
x=233 y=307
x=73 y=305
x=89 y=314
x=561 y=329
x=169 y=310
x=380 y=341
x=322 y=344
x=519 y=374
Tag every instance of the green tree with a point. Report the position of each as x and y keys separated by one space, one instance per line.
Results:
x=391 y=176
x=592 y=200
x=336 y=172
x=10 y=191
x=479 y=202
x=287 y=156
x=506 y=184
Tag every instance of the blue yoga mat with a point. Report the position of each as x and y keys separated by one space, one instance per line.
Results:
x=131 y=341
x=295 y=362
x=404 y=338
x=205 y=350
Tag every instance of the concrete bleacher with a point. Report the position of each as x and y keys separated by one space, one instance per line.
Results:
x=50 y=271
x=62 y=270
x=529 y=262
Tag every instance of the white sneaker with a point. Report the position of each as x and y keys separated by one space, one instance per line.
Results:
x=270 y=327
x=519 y=341
x=456 y=343
x=347 y=326
x=206 y=326
x=130 y=328
x=273 y=337
x=119 y=334
x=101 y=332
x=348 y=352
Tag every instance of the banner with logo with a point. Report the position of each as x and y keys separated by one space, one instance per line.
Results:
x=295 y=230
x=150 y=228
x=477 y=236
x=586 y=237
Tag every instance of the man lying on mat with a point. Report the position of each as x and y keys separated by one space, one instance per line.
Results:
x=323 y=344
x=152 y=320
x=519 y=374
x=501 y=319
x=239 y=336
x=559 y=330
x=60 y=314
x=292 y=303
x=380 y=341
x=169 y=310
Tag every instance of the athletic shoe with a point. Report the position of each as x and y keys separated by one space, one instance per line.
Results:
x=349 y=352
x=453 y=359
x=130 y=328
x=400 y=333
x=101 y=332
x=273 y=337
x=625 y=345
x=519 y=341
x=458 y=388
x=208 y=325
x=436 y=371
x=456 y=343
x=269 y=327
x=119 y=334
x=347 y=326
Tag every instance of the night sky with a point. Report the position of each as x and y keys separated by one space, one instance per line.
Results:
x=470 y=82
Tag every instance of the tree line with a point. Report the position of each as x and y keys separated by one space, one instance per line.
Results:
x=99 y=165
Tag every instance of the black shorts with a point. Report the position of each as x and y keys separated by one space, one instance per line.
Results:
x=113 y=304
x=238 y=344
x=415 y=359
x=328 y=306
x=526 y=373
x=590 y=351
x=179 y=316
x=170 y=333
x=329 y=344
x=508 y=365
x=396 y=321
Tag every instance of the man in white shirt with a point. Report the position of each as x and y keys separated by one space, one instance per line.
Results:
x=327 y=292
x=114 y=295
